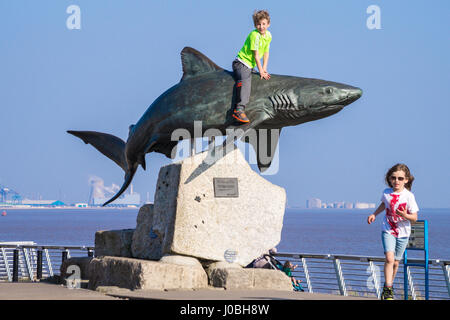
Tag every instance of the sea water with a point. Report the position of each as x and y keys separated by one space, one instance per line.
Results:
x=322 y=231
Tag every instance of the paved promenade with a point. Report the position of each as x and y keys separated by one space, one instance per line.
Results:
x=47 y=291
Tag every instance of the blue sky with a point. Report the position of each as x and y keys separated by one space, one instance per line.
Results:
x=105 y=75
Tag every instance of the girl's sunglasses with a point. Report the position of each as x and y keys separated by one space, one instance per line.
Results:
x=397 y=178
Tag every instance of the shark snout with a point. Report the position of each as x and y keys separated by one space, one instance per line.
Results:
x=352 y=94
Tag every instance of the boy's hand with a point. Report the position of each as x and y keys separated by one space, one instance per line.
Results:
x=264 y=75
x=371 y=219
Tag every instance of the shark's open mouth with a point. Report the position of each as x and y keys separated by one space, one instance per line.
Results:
x=336 y=106
x=333 y=107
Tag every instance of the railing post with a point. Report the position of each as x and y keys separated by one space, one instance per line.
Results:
x=49 y=262
x=28 y=264
x=15 y=277
x=410 y=284
x=376 y=282
x=446 y=270
x=340 y=277
x=306 y=271
x=39 y=264
x=64 y=255
x=5 y=259
x=90 y=253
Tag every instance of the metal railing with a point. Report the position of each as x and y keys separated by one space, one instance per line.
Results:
x=363 y=276
x=346 y=275
x=34 y=262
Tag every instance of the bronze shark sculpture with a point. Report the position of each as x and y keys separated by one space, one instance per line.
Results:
x=205 y=94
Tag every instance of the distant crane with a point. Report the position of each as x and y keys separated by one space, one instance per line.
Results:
x=9 y=195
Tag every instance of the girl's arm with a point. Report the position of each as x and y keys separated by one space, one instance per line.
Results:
x=380 y=209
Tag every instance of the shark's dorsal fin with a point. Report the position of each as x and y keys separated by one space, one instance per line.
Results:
x=196 y=63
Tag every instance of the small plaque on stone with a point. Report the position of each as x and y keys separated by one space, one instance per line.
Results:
x=230 y=255
x=226 y=188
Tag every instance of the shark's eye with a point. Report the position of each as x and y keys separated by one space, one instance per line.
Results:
x=328 y=90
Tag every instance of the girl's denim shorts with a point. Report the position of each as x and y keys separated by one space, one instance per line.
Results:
x=393 y=244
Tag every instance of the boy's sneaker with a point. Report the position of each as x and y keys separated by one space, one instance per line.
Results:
x=240 y=116
x=388 y=293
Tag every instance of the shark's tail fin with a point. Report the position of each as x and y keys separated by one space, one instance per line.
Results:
x=113 y=148
x=109 y=145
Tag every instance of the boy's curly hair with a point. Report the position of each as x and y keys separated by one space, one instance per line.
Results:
x=258 y=15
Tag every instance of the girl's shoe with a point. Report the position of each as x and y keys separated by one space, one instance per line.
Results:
x=391 y=293
x=388 y=293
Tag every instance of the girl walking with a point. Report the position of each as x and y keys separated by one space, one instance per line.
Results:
x=401 y=209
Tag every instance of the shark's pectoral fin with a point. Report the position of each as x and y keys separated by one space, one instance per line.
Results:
x=264 y=142
x=216 y=153
x=141 y=161
x=235 y=133
x=109 y=145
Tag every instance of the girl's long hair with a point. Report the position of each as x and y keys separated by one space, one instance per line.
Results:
x=405 y=169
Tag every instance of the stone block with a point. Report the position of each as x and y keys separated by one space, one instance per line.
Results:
x=188 y=219
x=270 y=279
x=113 y=243
x=135 y=274
x=232 y=277
x=181 y=260
x=146 y=244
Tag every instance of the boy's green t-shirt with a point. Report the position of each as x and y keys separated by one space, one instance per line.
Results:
x=254 y=41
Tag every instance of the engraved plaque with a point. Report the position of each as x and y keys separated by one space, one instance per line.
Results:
x=226 y=188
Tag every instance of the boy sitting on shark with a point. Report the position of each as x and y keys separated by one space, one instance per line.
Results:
x=256 y=46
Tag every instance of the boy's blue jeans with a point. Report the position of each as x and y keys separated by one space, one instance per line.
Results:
x=243 y=77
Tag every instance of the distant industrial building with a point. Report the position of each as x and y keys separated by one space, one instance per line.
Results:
x=43 y=203
x=314 y=203
x=132 y=199
x=338 y=205
x=348 y=205
x=9 y=197
x=363 y=205
x=99 y=194
x=81 y=205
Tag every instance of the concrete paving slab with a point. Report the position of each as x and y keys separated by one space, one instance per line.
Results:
x=48 y=291
x=221 y=294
